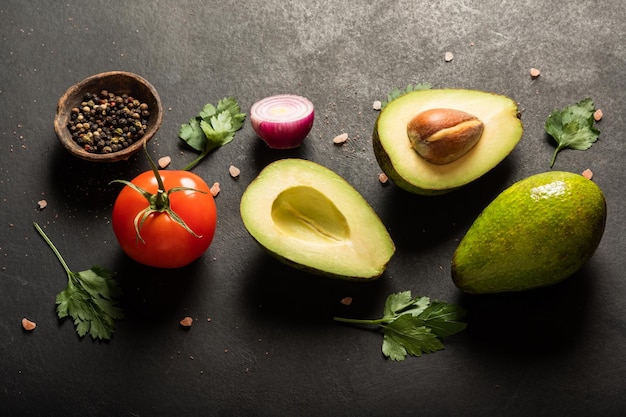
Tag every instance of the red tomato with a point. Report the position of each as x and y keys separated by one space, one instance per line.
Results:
x=166 y=244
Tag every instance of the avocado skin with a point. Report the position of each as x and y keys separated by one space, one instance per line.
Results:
x=536 y=233
x=319 y=271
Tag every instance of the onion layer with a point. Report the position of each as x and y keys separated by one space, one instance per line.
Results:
x=282 y=121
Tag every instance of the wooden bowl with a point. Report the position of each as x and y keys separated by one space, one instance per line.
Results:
x=117 y=82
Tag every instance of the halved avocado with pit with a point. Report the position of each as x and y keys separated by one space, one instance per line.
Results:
x=309 y=217
x=501 y=132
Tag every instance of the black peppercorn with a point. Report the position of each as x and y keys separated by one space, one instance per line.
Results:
x=100 y=114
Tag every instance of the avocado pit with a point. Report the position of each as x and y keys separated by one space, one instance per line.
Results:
x=442 y=136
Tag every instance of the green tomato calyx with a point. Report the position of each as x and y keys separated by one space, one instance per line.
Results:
x=159 y=202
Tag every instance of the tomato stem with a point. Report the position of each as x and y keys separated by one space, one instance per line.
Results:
x=155 y=170
x=160 y=201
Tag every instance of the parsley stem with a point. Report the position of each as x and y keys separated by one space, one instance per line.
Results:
x=55 y=250
x=554 y=156
x=362 y=321
x=196 y=161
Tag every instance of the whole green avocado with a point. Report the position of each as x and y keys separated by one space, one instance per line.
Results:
x=536 y=233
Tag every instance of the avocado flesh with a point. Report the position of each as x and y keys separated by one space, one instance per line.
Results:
x=309 y=217
x=407 y=169
x=536 y=233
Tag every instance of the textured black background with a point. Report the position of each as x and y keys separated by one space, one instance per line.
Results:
x=270 y=348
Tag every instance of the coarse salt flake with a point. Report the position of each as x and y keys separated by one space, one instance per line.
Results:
x=534 y=72
x=382 y=177
x=448 y=56
x=377 y=105
x=42 y=204
x=587 y=174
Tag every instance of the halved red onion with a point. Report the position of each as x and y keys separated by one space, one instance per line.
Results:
x=282 y=121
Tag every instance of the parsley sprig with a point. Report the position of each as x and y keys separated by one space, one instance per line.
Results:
x=213 y=127
x=88 y=298
x=413 y=326
x=572 y=127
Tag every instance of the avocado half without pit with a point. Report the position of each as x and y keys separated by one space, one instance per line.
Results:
x=434 y=141
x=309 y=217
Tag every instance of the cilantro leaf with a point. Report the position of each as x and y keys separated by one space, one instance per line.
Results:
x=395 y=93
x=572 y=127
x=414 y=325
x=213 y=127
x=88 y=298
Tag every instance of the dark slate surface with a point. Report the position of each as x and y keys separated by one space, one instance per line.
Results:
x=270 y=348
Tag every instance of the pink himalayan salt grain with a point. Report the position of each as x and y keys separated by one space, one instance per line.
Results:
x=597 y=115
x=28 y=325
x=234 y=171
x=346 y=301
x=215 y=189
x=164 y=162
x=186 y=322
x=339 y=139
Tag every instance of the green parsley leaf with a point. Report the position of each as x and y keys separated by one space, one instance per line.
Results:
x=88 y=298
x=192 y=134
x=207 y=111
x=572 y=127
x=395 y=93
x=403 y=303
x=414 y=325
x=213 y=127
x=408 y=335
x=443 y=319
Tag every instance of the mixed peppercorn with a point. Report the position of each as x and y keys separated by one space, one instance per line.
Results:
x=108 y=122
